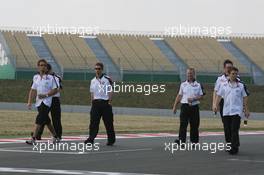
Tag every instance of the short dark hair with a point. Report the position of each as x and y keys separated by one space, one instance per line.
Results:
x=191 y=69
x=100 y=64
x=43 y=61
x=227 y=61
x=49 y=67
x=234 y=69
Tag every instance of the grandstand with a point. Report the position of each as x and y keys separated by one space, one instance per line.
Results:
x=205 y=54
x=130 y=57
x=113 y=51
x=22 y=61
x=134 y=53
x=253 y=48
x=84 y=50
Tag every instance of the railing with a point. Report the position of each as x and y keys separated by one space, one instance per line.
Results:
x=33 y=31
x=152 y=66
x=84 y=70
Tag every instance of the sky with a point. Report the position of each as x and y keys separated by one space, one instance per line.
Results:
x=240 y=16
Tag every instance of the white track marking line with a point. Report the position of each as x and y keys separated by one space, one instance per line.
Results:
x=77 y=153
x=17 y=147
x=132 y=136
x=245 y=160
x=54 y=171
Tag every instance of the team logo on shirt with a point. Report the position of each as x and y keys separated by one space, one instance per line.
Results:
x=194 y=85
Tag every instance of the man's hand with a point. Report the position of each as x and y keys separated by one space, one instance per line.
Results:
x=174 y=110
x=110 y=102
x=29 y=106
x=214 y=108
x=247 y=114
x=190 y=100
x=42 y=96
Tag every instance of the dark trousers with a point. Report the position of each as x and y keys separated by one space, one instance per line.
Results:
x=101 y=108
x=221 y=105
x=189 y=114
x=231 y=128
x=43 y=115
x=55 y=111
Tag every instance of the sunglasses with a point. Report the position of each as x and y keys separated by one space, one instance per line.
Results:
x=235 y=73
x=97 y=68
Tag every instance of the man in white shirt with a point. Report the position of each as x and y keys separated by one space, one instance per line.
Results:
x=43 y=88
x=55 y=108
x=235 y=103
x=223 y=79
x=101 y=99
x=189 y=95
x=220 y=81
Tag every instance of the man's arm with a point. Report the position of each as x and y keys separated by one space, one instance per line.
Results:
x=196 y=98
x=55 y=88
x=53 y=92
x=49 y=94
x=109 y=89
x=92 y=97
x=245 y=104
x=216 y=88
x=110 y=95
x=217 y=101
x=177 y=101
x=32 y=94
x=214 y=97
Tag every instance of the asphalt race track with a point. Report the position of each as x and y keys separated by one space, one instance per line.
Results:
x=136 y=155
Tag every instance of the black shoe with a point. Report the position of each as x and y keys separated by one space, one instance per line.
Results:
x=233 y=151
x=110 y=143
x=89 y=141
x=194 y=145
x=180 y=143
x=55 y=140
x=177 y=141
x=37 y=138
x=31 y=142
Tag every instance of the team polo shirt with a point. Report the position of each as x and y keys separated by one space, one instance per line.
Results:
x=220 y=80
x=190 y=90
x=100 y=87
x=57 y=80
x=223 y=79
x=233 y=98
x=43 y=85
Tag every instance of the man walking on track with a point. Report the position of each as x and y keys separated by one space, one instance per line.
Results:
x=189 y=95
x=101 y=99
x=221 y=80
x=55 y=109
x=43 y=88
x=235 y=103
